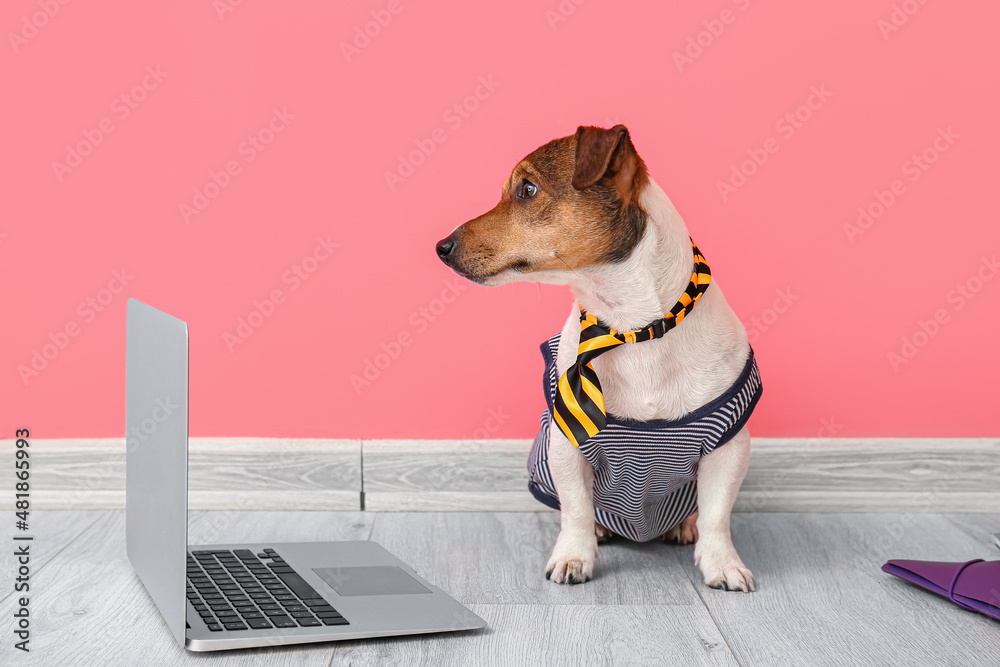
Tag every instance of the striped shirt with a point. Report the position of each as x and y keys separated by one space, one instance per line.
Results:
x=645 y=472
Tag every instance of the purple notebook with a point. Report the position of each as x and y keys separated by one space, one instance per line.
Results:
x=974 y=584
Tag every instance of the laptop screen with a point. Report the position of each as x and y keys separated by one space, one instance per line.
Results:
x=156 y=432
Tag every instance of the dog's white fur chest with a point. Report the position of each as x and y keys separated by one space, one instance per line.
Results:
x=693 y=363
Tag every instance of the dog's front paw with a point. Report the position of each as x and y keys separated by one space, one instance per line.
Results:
x=572 y=560
x=722 y=567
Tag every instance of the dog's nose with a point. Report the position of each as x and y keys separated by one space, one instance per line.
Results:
x=444 y=248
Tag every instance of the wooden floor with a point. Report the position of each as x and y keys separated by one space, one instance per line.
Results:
x=821 y=598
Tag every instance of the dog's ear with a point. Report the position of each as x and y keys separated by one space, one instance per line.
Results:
x=601 y=152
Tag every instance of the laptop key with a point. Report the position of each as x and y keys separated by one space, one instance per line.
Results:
x=283 y=622
x=320 y=602
x=296 y=607
x=298 y=585
x=251 y=614
x=330 y=612
x=339 y=620
x=301 y=614
x=258 y=624
x=235 y=626
x=275 y=612
x=269 y=605
x=214 y=627
x=307 y=622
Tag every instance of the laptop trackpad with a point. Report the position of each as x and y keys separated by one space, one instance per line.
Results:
x=370 y=580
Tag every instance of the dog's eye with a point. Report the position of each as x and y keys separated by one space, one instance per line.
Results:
x=527 y=190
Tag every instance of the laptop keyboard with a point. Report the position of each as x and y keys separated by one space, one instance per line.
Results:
x=238 y=590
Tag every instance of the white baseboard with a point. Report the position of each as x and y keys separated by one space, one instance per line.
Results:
x=786 y=475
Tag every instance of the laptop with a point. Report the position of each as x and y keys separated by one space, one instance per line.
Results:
x=227 y=596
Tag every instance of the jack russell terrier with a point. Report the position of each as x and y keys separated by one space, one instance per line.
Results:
x=652 y=372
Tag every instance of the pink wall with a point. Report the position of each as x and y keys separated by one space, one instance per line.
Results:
x=907 y=113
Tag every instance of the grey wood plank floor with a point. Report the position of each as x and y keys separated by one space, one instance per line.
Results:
x=822 y=599
x=52 y=532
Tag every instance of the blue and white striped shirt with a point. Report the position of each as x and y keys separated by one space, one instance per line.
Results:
x=645 y=472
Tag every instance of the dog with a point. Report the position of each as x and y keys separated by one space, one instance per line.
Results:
x=583 y=211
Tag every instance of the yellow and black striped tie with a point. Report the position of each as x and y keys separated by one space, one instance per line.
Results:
x=579 y=403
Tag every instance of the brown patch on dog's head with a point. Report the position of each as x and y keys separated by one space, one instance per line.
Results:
x=570 y=204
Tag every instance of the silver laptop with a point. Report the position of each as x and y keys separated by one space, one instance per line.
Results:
x=227 y=596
